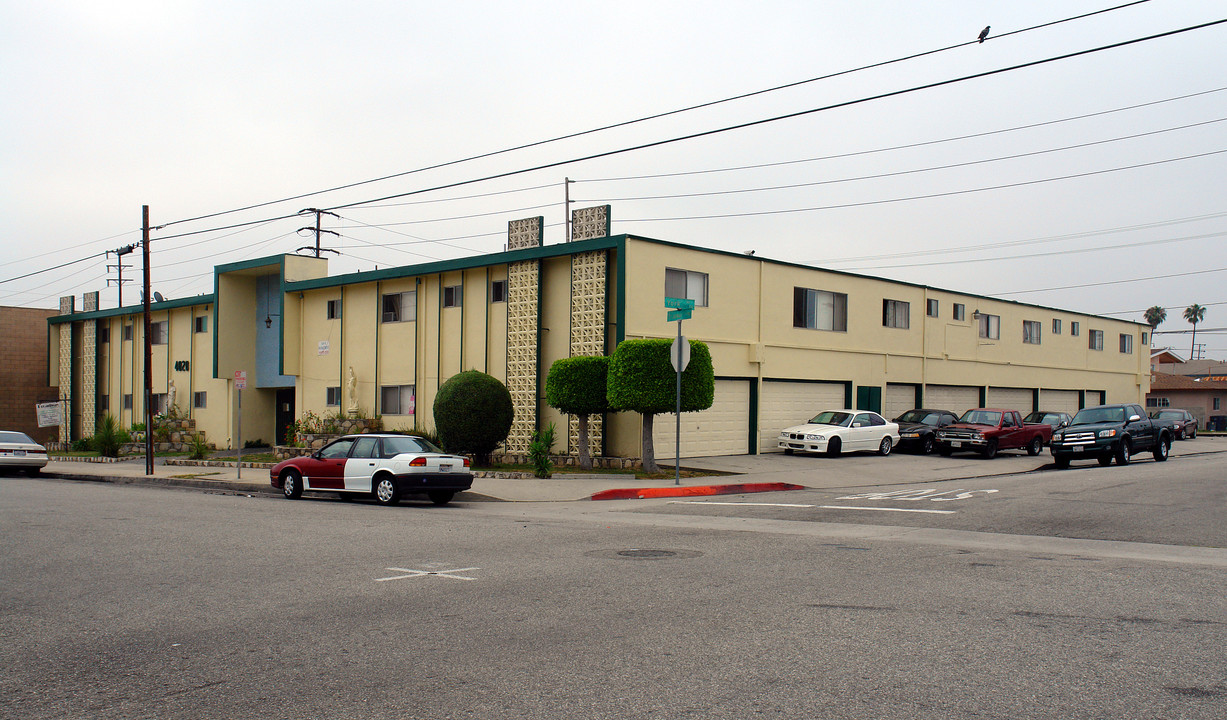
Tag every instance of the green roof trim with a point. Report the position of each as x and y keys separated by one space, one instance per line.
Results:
x=132 y=309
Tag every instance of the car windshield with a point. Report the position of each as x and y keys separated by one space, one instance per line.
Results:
x=16 y=437
x=981 y=417
x=830 y=417
x=407 y=444
x=1171 y=414
x=1091 y=416
x=918 y=416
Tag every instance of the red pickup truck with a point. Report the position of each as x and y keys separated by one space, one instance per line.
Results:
x=987 y=430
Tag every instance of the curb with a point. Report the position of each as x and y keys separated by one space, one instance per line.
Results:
x=694 y=490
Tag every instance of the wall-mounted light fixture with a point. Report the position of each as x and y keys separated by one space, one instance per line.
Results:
x=976 y=315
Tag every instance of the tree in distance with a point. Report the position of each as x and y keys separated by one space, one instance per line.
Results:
x=1155 y=316
x=1194 y=313
x=641 y=379
x=576 y=386
x=473 y=414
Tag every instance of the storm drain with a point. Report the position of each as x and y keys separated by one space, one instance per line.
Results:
x=644 y=554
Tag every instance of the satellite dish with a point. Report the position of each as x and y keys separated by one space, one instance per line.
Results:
x=158 y=296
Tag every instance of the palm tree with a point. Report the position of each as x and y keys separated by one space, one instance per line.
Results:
x=1194 y=313
x=1154 y=317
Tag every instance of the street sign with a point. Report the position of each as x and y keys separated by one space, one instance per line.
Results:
x=49 y=414
x=678 y=315
x=240 y=379
x=679 y=362
x=679 y=303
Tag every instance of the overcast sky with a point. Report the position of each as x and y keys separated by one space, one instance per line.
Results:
x=1030 y=184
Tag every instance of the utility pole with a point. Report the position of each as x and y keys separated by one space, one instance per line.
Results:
x=119 y=267
x=148 y=345
x=317 y=230
x=566 y=207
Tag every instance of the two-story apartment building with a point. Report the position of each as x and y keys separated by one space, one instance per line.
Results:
x=787 y=340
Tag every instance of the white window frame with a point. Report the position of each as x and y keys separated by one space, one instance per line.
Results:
x=1126 y=344
x=200 y=400
x=896 y=314
x=159 y=332
x=399 y=307
x=1075 y=328
x=687 y=284
x=453 y=296
x=990 y=326
x=1031 y=332
x=820 y=310
x=960 y=311
x=1056 y=326
x=200 y=324
x=395 y=399
x=332 y=396
x=1095 y=340
x=932 y=307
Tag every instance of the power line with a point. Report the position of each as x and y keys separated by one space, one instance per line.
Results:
x=1112 y=282
x=1173 y=307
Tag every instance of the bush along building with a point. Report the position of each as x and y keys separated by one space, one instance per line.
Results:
x=786 y=341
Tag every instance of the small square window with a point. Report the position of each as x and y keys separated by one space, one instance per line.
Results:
x=334 y=309
x=128 y=401
x=200 y=400
x=332 y=396
x=931 y=308
x=1031 y=332
x=128 y=332
x=498 y=291
x=990 y=326
x=1096 y=340
x=1126 y=344
x=397 y=399
x=453 y=296
x=201 y=324
x=686 y=284
x=960 y=311
x=1056 y=326
x=158 y=404
x=159 y=332
x=896 y=314
x=1074 y=328
x=1218 y=403
x=1145 y=339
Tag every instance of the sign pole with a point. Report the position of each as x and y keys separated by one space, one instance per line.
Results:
x=239 y=444
x=677 y=437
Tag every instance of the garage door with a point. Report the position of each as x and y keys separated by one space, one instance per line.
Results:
x=1059 y=400
x=722 y=429
x=899 y=399
x=955 y=398
x=783 y=404
x=1020 y=399
x=1094 y=397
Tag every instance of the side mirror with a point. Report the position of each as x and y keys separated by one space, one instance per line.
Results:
x=857 y=424
x=1134 y=418
x=1062 y=424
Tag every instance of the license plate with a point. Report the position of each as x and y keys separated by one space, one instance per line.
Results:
x=956 y=444
x=19 y=453
x=445 y=468
x=1077 y=448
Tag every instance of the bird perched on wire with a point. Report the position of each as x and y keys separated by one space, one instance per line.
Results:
x=984 y=32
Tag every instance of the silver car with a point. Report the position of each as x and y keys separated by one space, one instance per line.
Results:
x=18 y=451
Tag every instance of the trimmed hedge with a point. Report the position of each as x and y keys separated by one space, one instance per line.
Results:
x=576 y=385
x=473 y=414
x=641 y=378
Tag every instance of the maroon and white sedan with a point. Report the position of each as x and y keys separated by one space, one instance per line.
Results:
x=380 y=465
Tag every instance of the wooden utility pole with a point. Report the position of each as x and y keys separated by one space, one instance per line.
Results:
x=148 y=345
x=317 y=230
x=566 y=207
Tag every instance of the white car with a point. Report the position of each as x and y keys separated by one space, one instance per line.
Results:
x=836 y=431
x=18 y=451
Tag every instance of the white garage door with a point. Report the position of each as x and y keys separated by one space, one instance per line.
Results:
x=1020 y=399
x=899 y=399
x=1094 y=397
x=955 y=398
x=1059 y=400
x=783 y=404
x=722 y=429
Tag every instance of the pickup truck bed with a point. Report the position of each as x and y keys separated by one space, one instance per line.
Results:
x=987 y=430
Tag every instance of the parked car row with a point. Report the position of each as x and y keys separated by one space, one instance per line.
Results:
x=989 y=430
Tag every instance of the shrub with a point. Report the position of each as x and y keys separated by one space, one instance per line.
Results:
x=539 y=452
x=138 y=427
x=85 y=444
x=257 y=443
x=109 y=436
x=473 y=414
x=200 y=448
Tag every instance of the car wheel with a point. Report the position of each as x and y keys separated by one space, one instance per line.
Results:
x=926 y=445
x=1123 y=452
x=1180 y=434
x=441 y=497
x=1162 y=448
x=1105 y=460
x=884 y=448
x=788 y=451
x=385 y=491
x=944 y=451
x=1034 y=448
x=990 y=450
x=833 y=447
x=1062 y=463
x=1193 y=434
x=291 y=485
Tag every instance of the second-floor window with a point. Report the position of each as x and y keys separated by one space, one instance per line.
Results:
x=1126 y=344
x=931 y=308
x=896 y=314
x=200 y=324
x=104 y=334
x=1056 y=326
x=498 y=291
x=1096 y=340
x=990 y=326
x=1031 y=332
x=334 y=310
x=452 y=296
x=128 y=332
x=960 y=311
x=1074 y=329
x=686 y=284
x=396 y=399
x=819 y=310
x=158 y=332
x=400 y=307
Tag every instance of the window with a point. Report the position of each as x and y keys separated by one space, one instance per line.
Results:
x=400 y=307
x=1218 y=403
x=960 y=311
x=896 y=314
x=157 y=404
x=337 y=450
x=686 y=284
x=104 y=334
x=128 y=401
x=1096 y=341
x=396 y=399
x=498 y=291
x=158 y=332
x=334 y=309
x=1031 y=332
x=1126 y=344
x=201 y=324
x=1056 y=326
x=819 y=310
x=931 y=308
x=1145 y=339
x=199 y=400
x=366 y=447
x=453 y=296
x=990 y=326
x=1074 y=328
x=332 y=396
x=1157 y=402
x=128 y=332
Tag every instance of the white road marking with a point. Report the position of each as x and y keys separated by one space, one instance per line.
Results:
x=708 y=502
x=421 y=573
x=933 y=495
x=886 y=509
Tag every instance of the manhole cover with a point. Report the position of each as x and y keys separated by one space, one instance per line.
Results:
x=647 y=553
x=644 y=554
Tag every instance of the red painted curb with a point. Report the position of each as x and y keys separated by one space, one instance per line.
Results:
x=693 y=490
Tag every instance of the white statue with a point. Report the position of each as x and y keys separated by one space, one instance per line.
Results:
x=172 y=407
x=351 y=393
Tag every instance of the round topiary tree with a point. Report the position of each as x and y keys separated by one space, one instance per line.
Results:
x=576 y=386
x=473 y=414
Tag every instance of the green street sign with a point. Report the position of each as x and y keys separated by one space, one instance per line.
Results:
x=679 y=303
x=678 y=314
